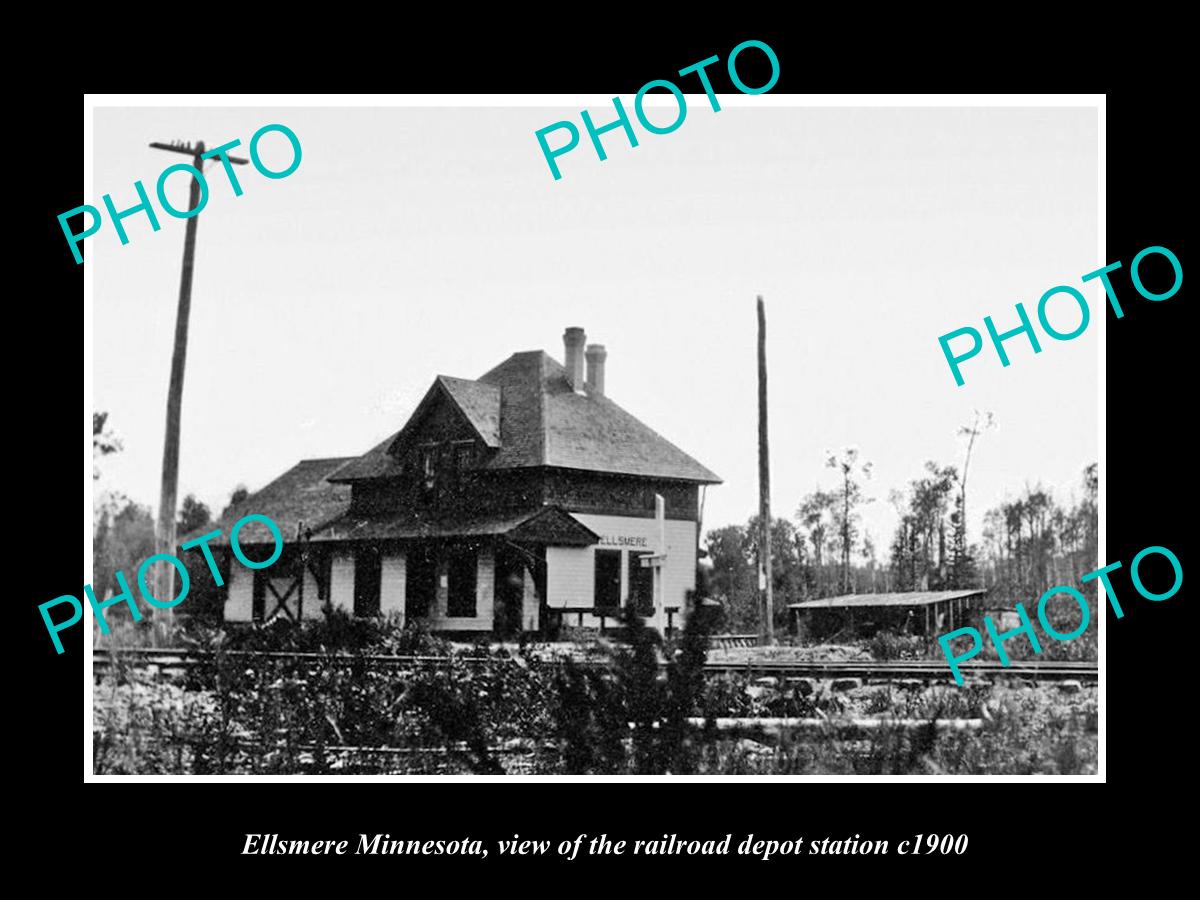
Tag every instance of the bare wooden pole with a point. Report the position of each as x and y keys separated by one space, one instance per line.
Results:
x=164 y=578
x=165 y=575
x=764 y=476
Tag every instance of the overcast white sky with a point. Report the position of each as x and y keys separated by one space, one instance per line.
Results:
x=416 y=242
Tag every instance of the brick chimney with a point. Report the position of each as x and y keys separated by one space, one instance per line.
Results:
x=573 y=341
x=596 y=355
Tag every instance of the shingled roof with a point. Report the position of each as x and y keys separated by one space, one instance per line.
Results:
x=479 y=402
x=549 y=524
x=543 y=422
x=300 y=495
x=905 y=598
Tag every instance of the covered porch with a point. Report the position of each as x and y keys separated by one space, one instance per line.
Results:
x=483 y=575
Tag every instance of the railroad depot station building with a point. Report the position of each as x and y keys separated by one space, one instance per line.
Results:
x=516 y=502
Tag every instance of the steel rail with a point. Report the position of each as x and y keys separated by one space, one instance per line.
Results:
x=183 y=658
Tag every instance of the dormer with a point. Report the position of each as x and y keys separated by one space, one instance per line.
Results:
x=454 y=419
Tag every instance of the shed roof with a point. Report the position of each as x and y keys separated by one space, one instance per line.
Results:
x=906 y=598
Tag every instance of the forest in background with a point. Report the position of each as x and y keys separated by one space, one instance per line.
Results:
x=123 y=529
x=1027 y=545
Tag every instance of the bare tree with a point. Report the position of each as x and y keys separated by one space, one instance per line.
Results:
x=815 y=515
x=918 y=555
x=981 y=424
x=962 y=565
x=846 y=517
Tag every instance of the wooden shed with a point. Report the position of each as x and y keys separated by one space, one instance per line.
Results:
x=909 y=612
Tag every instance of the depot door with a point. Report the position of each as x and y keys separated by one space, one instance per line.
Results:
x=509 y=592
x=420 y=582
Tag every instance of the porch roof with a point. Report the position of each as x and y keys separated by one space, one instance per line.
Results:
x=549 y=525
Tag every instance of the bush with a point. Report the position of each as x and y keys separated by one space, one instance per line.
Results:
x=886 y=645
x=630 y=715
x=619 y=712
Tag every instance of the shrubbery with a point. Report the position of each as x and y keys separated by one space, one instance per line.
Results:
x=1024 y=732
x=335 y=632
x=886 y=645
x=618 y=711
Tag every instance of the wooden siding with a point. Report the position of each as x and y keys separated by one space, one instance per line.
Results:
x=392 y=583
x=341 y=581
x=599 y=494
x=571 y=571
x=483 y=492
x=471 y=494
x=239 y=598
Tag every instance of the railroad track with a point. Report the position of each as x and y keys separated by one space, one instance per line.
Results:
x=926 y=669
x=179 y=660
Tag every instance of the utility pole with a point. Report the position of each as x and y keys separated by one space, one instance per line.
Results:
x=164 y=579
x=764 y=478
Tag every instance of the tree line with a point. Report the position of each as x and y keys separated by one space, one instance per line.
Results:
x=123 y=530
x=1027 y=544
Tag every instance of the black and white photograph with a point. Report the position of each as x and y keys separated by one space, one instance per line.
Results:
x=425 y=446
